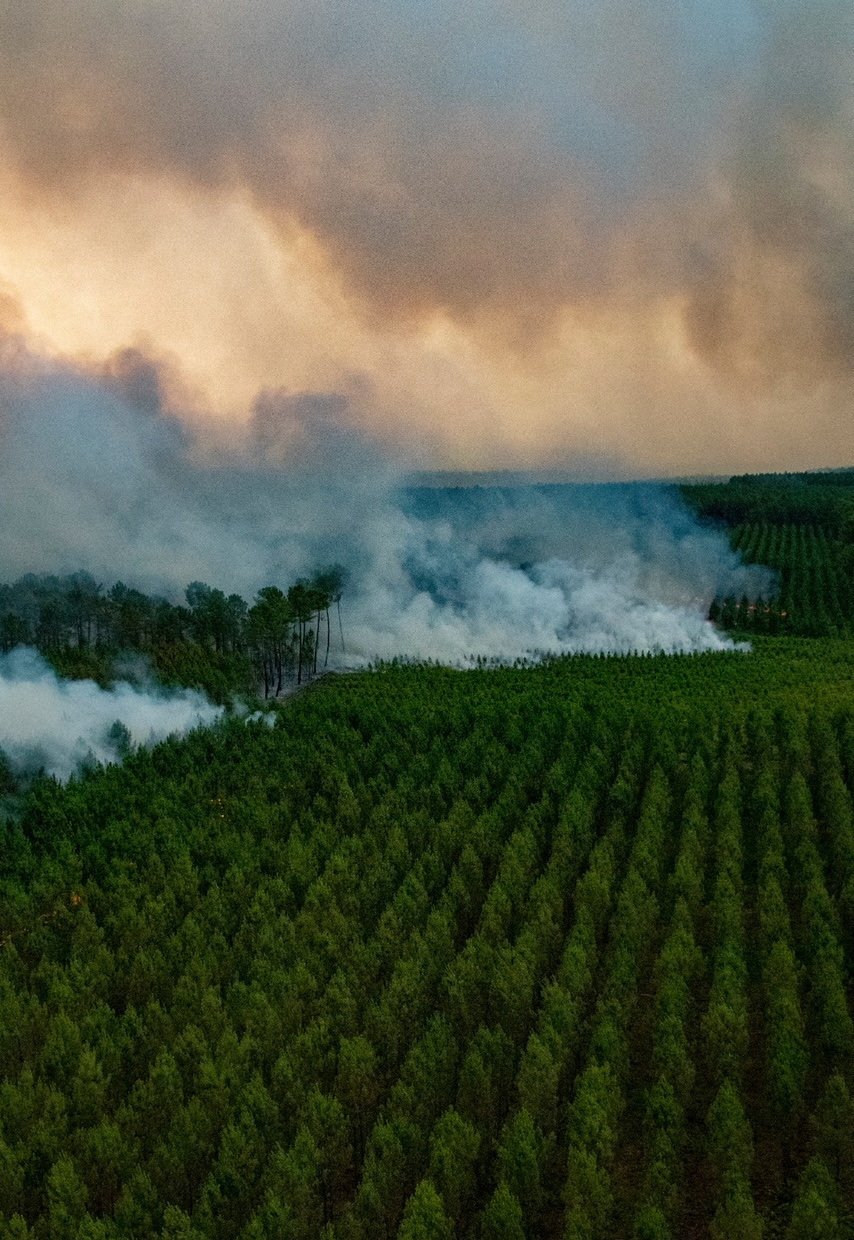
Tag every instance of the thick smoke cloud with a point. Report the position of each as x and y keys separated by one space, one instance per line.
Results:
x=95 y=470
x=488 y=159
x=773 y=292
x=97 y=473
x=557 y=569
x=54 y=725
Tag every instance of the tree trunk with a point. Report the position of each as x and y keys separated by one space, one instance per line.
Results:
x=341 y=627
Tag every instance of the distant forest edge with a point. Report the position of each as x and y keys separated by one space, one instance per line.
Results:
x=217 y=642
x=825 y=499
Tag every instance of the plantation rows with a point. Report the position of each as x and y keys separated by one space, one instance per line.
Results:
x=563 y=952
x=821 y=499
x=814 y=595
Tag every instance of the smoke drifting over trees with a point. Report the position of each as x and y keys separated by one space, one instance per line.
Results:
x=99 y=473
x=55 y=725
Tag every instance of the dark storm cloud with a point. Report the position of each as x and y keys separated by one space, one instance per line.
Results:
x=773 y=293
x=487 y=158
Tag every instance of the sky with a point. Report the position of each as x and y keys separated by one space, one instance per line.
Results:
x=594 y=235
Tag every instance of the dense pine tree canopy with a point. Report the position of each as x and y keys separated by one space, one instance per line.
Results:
x=556 y=951
x=216 y=643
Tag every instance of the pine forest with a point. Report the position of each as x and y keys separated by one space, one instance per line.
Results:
x=549 y=952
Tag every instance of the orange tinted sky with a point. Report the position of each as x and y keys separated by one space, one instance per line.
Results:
x=600 y=237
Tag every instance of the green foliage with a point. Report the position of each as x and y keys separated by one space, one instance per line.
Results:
x=216 y=643
x=8 y=782
x=503 y=1218
x=800 y=525
x=814 y=591
x=454 y=1147
x=731 y=1156
x=815 y=1214
x=556 y=951
x=424 y=1217
x=820 y=499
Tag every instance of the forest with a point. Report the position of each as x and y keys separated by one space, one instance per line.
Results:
x=560 y=951
x=801 y=525
x=216 y=643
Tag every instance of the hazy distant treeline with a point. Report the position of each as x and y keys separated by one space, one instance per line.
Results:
x=77 y=621
x=825 y=499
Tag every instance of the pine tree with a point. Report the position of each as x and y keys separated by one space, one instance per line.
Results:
x=503 y=1218
x=815 y=1214
x=424 y=1217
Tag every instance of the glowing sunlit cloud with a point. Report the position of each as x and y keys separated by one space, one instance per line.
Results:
x=593 y=232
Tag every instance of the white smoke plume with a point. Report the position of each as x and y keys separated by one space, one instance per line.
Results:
x=537 y=570
x=98 y=473
x=56 y=725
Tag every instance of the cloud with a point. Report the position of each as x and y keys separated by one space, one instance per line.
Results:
x=772 y=293
x=481 y=160
x=507 y=237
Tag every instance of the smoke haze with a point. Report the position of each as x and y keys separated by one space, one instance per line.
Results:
x=55 y=725
x=510 y=236
x=98 y=472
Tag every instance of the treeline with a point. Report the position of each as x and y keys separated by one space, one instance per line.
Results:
x=212 y=639
x=825 y=499
x=500 y=955
x=814 y=596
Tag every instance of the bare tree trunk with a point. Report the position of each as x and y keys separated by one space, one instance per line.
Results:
x=326 y=660
x=341 y=627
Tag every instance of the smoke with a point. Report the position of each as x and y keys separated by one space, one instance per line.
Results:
x=508 y=572
x=98 y=472
x=444 y=157
x=55 y=725
x=488 y=159
x=772 y=292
